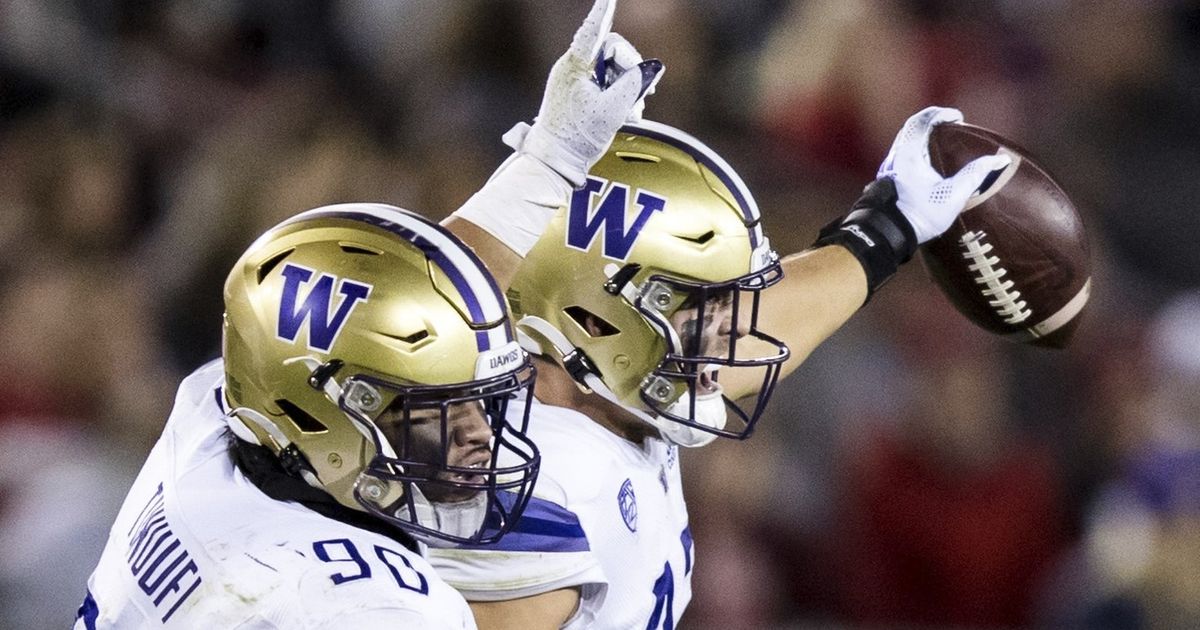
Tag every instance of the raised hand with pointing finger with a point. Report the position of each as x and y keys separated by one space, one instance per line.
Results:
x=598 y=85
x=594 y=88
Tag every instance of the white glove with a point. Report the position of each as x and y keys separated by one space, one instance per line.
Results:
x=929 y=201
x=592 y=90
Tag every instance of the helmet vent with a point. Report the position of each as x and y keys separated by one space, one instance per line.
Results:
x=630 y=156
x=303 y=421
x=592 y=324
x=351 y=248
x=699 y=240
x=272 y=262
x=413 y=338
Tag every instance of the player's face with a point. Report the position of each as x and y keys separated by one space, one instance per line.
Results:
x=464 y=443
x=708 y=331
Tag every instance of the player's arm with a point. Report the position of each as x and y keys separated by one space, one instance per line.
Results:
x=547 y=611
x=542 y=574
x=908 y=204
x=499 y=258
x=821 y=288
x=593 y=89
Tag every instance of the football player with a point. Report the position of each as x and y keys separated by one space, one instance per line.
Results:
x=370 y=399
x=642 y=280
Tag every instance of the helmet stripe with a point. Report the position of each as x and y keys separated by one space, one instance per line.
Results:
x=466 y=272
x=706 y=156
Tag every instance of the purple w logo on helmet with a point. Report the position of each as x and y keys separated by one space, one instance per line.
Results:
x=316 y=306
x=583 y=225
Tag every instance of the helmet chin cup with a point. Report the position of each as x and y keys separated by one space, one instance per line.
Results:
x=681 y=434
x=461 y=519
x=709 y=412
x=436 y=524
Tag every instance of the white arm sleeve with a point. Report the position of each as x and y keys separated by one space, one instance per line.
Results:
x=517 y=202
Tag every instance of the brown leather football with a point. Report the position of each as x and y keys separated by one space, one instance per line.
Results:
x=1016 y=261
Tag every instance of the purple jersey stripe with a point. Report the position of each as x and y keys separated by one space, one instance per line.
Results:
x=544 y=527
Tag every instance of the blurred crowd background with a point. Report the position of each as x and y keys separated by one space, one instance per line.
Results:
x=914 y=473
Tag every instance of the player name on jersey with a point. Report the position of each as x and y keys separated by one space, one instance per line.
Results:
x=159 y=562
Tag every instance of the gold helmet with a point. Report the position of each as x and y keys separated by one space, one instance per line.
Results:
x=373 y=354
x=644 y=283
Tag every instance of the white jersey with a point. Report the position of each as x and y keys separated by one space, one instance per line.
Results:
x=197 y=545
x=607 y=516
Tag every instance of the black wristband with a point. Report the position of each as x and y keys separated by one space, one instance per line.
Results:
x=876 y=232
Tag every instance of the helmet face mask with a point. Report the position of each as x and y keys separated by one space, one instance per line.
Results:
x=373 y=353
x=438 y=452
x=703 y=330
x=646 y=287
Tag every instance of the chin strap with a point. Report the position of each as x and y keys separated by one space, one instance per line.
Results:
x=335 y=392
x=573 y=360
x=580 y=368
x=619 y=284
x=290 y=457
x=577 y=364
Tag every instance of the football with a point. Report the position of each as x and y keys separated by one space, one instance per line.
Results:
x=1016 y=261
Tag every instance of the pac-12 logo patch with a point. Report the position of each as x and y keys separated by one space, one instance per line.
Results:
x=325 y=320
x=609 y=217
x=627 y=502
